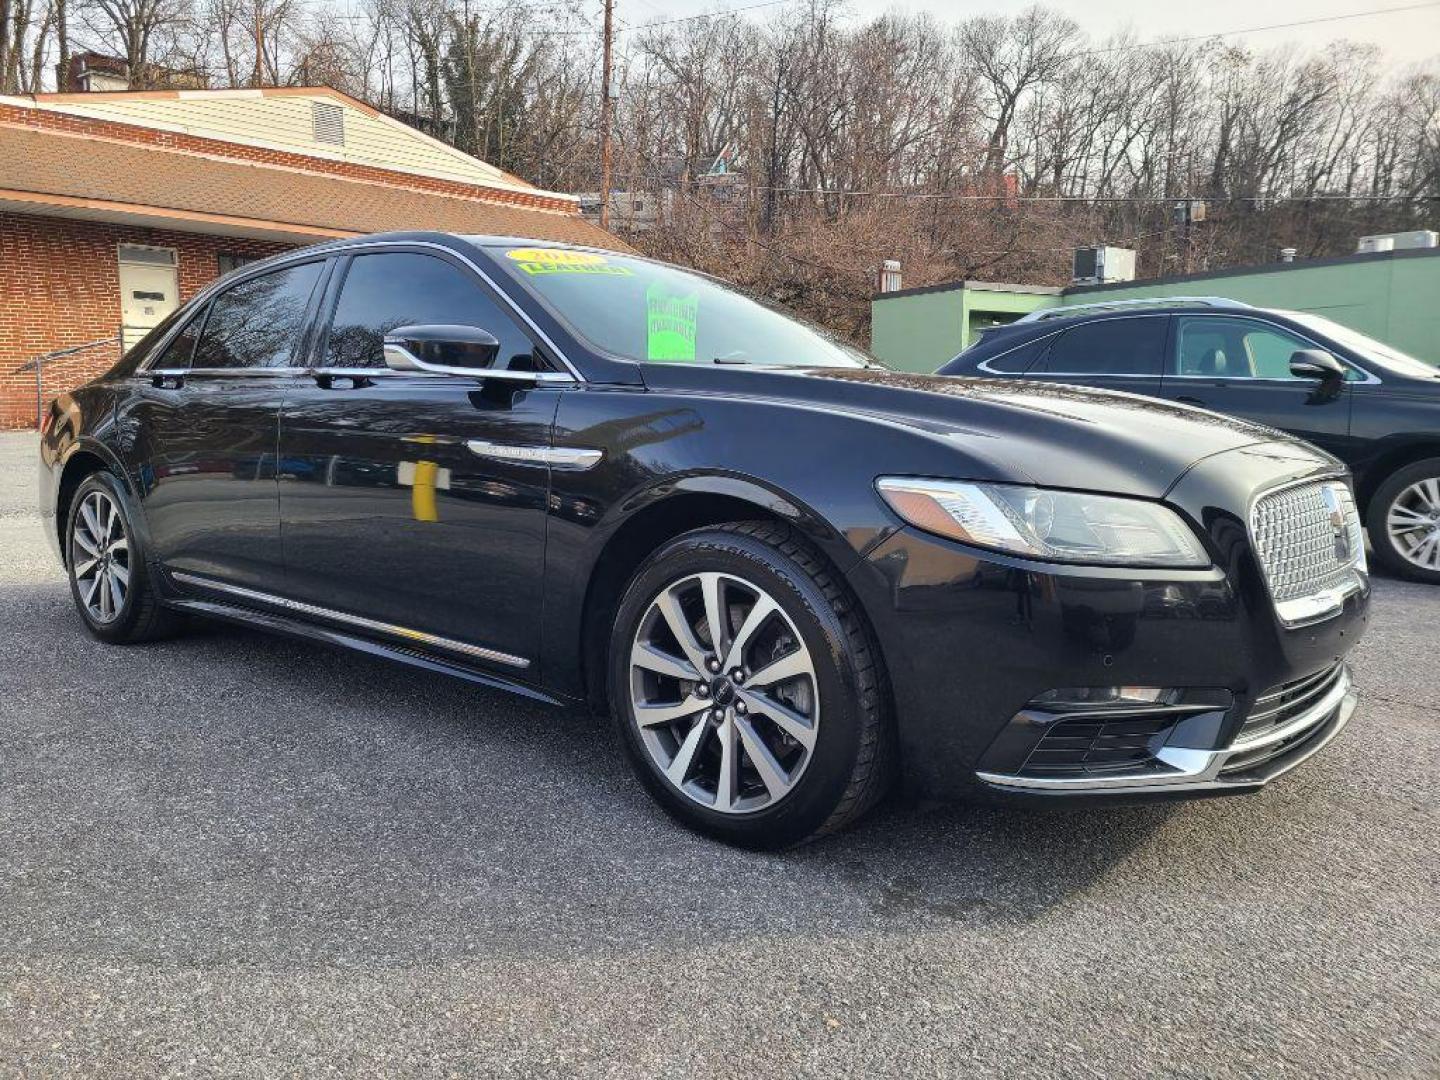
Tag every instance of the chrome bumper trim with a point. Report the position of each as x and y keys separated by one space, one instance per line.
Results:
x=1193 y=770
x=372 y=625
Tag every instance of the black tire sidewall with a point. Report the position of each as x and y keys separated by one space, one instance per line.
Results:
x=119 y=629
x=827 y=776
x=1379 y=511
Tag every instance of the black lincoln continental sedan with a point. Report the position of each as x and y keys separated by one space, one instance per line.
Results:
x=789 y=574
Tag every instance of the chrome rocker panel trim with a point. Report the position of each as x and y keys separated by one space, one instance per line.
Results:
x=418 y=637
x=1200 y=769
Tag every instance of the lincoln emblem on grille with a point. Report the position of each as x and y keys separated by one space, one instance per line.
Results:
x=1337 y=523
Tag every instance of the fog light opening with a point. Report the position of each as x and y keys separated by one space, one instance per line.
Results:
x=1106 y=695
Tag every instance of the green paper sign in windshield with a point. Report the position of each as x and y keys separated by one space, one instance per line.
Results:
x=671 y=324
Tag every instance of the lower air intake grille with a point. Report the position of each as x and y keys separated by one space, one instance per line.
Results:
x=1095 y=746
x=1280 y=704
x=1246 y=760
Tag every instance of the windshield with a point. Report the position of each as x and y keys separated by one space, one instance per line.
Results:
x=646 y=311
x=1386 y=356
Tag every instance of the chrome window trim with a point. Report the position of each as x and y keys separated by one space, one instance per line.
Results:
x=1367 y=378
x=236 y=277
x=373 y=625
x=287 y=372
x=540 y=378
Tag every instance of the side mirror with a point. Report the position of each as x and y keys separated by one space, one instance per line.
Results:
x=1316 y=364
x=463 y=350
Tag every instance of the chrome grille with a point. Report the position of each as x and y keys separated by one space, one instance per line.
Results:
x=1309 y=541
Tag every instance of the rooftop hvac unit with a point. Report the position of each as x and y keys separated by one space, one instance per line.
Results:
x=1398 y=241
x=1098 y=265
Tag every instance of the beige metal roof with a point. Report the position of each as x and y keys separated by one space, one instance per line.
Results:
x=284 y=118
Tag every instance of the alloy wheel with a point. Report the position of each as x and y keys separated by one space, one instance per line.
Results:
x=723 y=693
x=1413 y=523
x=100 y=557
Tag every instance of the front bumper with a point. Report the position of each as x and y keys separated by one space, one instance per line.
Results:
x=971 y=639
x=1246 y=764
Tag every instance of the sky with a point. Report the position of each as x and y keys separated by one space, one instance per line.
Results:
x=1406 y=37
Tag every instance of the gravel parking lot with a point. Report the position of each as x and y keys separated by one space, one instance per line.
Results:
x=238 y=854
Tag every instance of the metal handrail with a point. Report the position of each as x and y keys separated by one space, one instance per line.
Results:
x=37 y=363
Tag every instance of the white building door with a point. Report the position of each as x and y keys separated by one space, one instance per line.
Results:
x=149 y=289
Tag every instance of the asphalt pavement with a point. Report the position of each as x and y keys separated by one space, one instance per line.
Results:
x=241 y=855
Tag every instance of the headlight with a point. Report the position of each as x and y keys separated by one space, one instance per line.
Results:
x=1063 y=525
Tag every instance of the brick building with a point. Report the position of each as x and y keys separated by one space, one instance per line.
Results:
x=117 y=207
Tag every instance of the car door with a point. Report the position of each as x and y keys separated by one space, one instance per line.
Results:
x=411 y=499
x=203 y=425
x=1116 y=353
x=1240 y=365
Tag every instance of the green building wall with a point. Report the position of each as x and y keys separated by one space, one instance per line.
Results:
x=920 y=329
x=1392 y=296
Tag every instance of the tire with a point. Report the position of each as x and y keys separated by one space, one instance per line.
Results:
x=823 y=733
x=106 y=561
x=1411 y=496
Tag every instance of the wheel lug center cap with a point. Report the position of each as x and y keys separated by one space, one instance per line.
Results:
x=722 y=691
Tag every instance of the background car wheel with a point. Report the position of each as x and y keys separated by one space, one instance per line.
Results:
x=747 y=689
x=1404 y=522
x=109 y=577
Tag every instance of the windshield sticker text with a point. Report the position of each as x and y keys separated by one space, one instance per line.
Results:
x=559 y=261
x=671 y=323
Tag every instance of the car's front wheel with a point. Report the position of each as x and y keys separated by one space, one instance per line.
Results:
x=105 y=557
x=1405 y=522
x=747 y=689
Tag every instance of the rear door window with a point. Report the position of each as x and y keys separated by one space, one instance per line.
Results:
x=1126 y=347
x=258 y=323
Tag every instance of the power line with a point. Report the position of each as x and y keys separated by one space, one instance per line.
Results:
x=720 y=14
x=962 y=196
x=1255 y=29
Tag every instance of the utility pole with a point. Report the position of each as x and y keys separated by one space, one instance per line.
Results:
x=259 y=46
x=606 y=107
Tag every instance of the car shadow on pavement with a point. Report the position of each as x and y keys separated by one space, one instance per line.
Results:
x=234 y=797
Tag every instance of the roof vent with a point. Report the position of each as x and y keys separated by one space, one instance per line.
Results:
x=329 y=123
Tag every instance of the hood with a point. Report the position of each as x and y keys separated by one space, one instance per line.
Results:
x=1026 y=432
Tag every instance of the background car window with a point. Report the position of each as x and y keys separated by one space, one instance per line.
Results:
x=257 y=323
x=1227 y=348
x=1019 y=360
x=1107 y=347
x=383 y=291
x=181 y=350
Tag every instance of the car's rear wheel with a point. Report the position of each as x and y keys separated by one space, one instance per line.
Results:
x=105 y=557
x=747 y=689
x=1405 y=522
